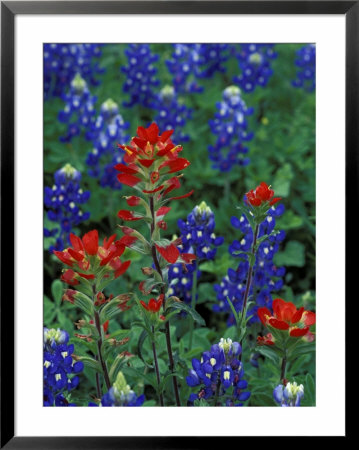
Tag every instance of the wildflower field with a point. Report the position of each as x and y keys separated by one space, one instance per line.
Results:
x=179 y=225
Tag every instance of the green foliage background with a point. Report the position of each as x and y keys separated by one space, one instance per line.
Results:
x=282 y=154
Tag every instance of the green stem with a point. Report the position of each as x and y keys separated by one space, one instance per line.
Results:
x=158 y=376
x=283 y=367
x=193 y=302
x=167 y=325
x=249 y=281
x=99 y=343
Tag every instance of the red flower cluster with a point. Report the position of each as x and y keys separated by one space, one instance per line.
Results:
x=86 y=256
x=150 y=157
x=262 y=194
x=153 y=305
x=286 y=317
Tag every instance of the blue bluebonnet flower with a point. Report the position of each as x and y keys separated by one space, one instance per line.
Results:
x=254 y=61
x=108 y=130
x=140 y=75
x=180 y=279
x=60 y=369
x=198 y=237
x=62 y=201
x=79 y=111
x=197 y=232
x=230 y=127
x=120 y=394
x=267 y=277
x=190 y=62
x=289 y=394
x=171 y=113
x=212 y=57
x=219 y=374
x=306 y=63
x=63 y=61
x=184 y=65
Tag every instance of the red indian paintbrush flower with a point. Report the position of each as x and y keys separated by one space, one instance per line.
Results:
x=261 y=194
x=86 y=254
x=287 y=317
x=150 y=149
x=153 y=305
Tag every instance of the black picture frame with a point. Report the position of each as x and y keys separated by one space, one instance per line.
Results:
x=9 y=9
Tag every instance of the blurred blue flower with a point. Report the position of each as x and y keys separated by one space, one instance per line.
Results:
x=140 y=75
x=184 y=65
x=108 y=130
x=305 y=61
x=171 y=113
x=79 y=111
x=219 y=375
x=289 y=394
x=63 y=61
x=230 y=127
x=190 y=62
x=59 y=368
x=267 y=277
x=254 y=62
x=120 y=394
x=62 y=201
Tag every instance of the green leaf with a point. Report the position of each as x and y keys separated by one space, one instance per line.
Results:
x=293 y=255
x=57 y=291
x=141 y=341
x=269 y=352
x=91 y=363
x=181 y=306
x=309 y=388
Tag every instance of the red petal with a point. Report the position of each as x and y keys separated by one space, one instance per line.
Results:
x=127 y=241
x=182 y=196
x=90 y=242
x=142 y=133
x=152 y=133
x=86 y=276
x=275 y=200
x=63 y=258
x=107 y=243
x=76 y=242
x=153 y=190
x=169 y=253
x=165 y=135
x=297 y=315
x=144 y=304
x=105 y=326
x=309 y=318
x=264 y=314
x=140 y=142
x=175 y=165
x=127 y=215
x=127 y=179
x=188 y=257
x=124 y=266
x=146 y=162
x=298 y=332
x=75 y=255
x=126 y=169
x=278 y=324
x=163 y=211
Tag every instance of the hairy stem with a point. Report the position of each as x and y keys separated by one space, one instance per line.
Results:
x=158 y=376
x=99 y=344
x=167 y=325
x=249 y=278
x=283 y=367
